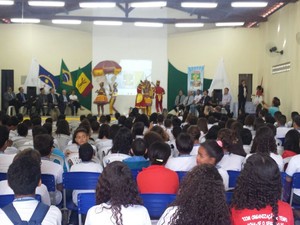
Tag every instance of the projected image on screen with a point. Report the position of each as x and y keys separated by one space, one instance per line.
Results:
x=132 y=72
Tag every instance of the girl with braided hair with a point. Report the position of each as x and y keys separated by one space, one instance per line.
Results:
x=117 y=198
x=193 y=205
x=256 y=198
x=265 y=142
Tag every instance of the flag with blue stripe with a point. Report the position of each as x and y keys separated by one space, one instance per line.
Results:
x=48 y=78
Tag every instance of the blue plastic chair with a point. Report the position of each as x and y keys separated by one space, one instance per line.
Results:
x=49 y=181
x=233 y=176
x=156 y=204
x=137 y=165
x=6 y=199
x=78 y=181
x=181 y=175
x=3 y=176
x=85 y=202
x=135 y=172
x=229 y=195
x=295 y=184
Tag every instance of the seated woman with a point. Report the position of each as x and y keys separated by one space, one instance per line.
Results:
x=291 y=144
x=117 y=199
x=233 y=156
x=264 y=142
x=211 y=152
x=156 y=178
x=256 y=198
x=275 y=106
x=193 y=205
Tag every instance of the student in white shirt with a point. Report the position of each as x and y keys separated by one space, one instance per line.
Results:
x=117 y=199
x=246 y=137
x=104 y=142
x=194 y=131
x=121 y=146
x=281 y=129
x=44 y=144
x=201 y=199
x=264 y=142
x=86 y=153
x=185 y=161
x=6 y=156
x=211 y=152
x=24 y=175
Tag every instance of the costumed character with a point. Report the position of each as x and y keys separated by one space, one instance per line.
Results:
x=148 y=95
x=159 y=92
x=113 y=93
x=139 y=100
x=101 y=98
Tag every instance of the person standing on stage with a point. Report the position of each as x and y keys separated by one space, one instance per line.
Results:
x=148 y=95
x=242 y=96
x=113 y=93
x=101 y=98
x=159 y=92
x=139 y=100
x=74 y=103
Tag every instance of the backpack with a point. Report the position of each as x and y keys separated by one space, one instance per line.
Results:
x=36 y=218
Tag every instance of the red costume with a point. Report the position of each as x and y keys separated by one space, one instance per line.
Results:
x=159 y=92
x=139 y=100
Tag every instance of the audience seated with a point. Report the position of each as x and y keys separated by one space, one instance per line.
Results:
x=194 y=132
x=291 y=144
x=193 y=205
x=156 y=178
x=24 y=176
x=117 y=199
x=62 y=135
x=184 y=161
x=104 y=142
x=246 y=138
x=281 y=129
x=261 y=180
x=44 y=144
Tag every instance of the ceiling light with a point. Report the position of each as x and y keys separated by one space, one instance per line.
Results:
x=24 y=20
x=249 y=4
x=3 y=2
x=147 y=24
x=189 y=24
x=230 y=24
x=108 y=23
x=273 y=9
x=199 y=4
x=47 y=3
x=148 y=4
x=72 y=22
x=97 y=4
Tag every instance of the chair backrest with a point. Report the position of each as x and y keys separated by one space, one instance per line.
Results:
x=85 y=202
x=156 y=204
x=49 y=181
x=134 y=173
x=181 y=175
x=80 y=180
x=137 y=164
x=283 y=178
x=229 y=195
x=233 y=175
x=57 y=159
x=6 y=199
x=3 y=176
x=296 y=180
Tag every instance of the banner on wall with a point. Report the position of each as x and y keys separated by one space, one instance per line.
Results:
x=195 y=78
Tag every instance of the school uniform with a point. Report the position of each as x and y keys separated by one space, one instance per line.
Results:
x=277 y=158
x=181 y=163
x=231 y=161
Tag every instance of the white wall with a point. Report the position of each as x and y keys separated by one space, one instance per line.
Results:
x=129 y=42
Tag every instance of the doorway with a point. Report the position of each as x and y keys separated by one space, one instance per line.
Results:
x=7 y=80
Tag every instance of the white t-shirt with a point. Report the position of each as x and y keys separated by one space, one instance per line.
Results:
x=231 y=162
x=11 y=150
x=281 y=132
x=26 y=208
x=5 y=161
x=114 y=157
x=181 y=163
x=195 y=149
x=85 y=167
x=132 y=215
x=278 y=159
x=167 y=215
x=225 y=177
x=40 y=190
x=294 y=167
x=49 y=167
x=73 y=97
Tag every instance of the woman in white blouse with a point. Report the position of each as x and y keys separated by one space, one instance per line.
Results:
x=74 y=103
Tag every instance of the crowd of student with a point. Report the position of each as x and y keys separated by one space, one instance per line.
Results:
x=158 y=146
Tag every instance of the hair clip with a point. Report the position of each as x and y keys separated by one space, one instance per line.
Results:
x=159 y=160
x=220 y=143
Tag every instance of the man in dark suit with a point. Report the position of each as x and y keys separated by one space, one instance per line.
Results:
x=9 y=99
x=242 y=96
x=204 y=101
x=23 y=100
x=63 y=102
x=42 y=101
x=52 y=100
